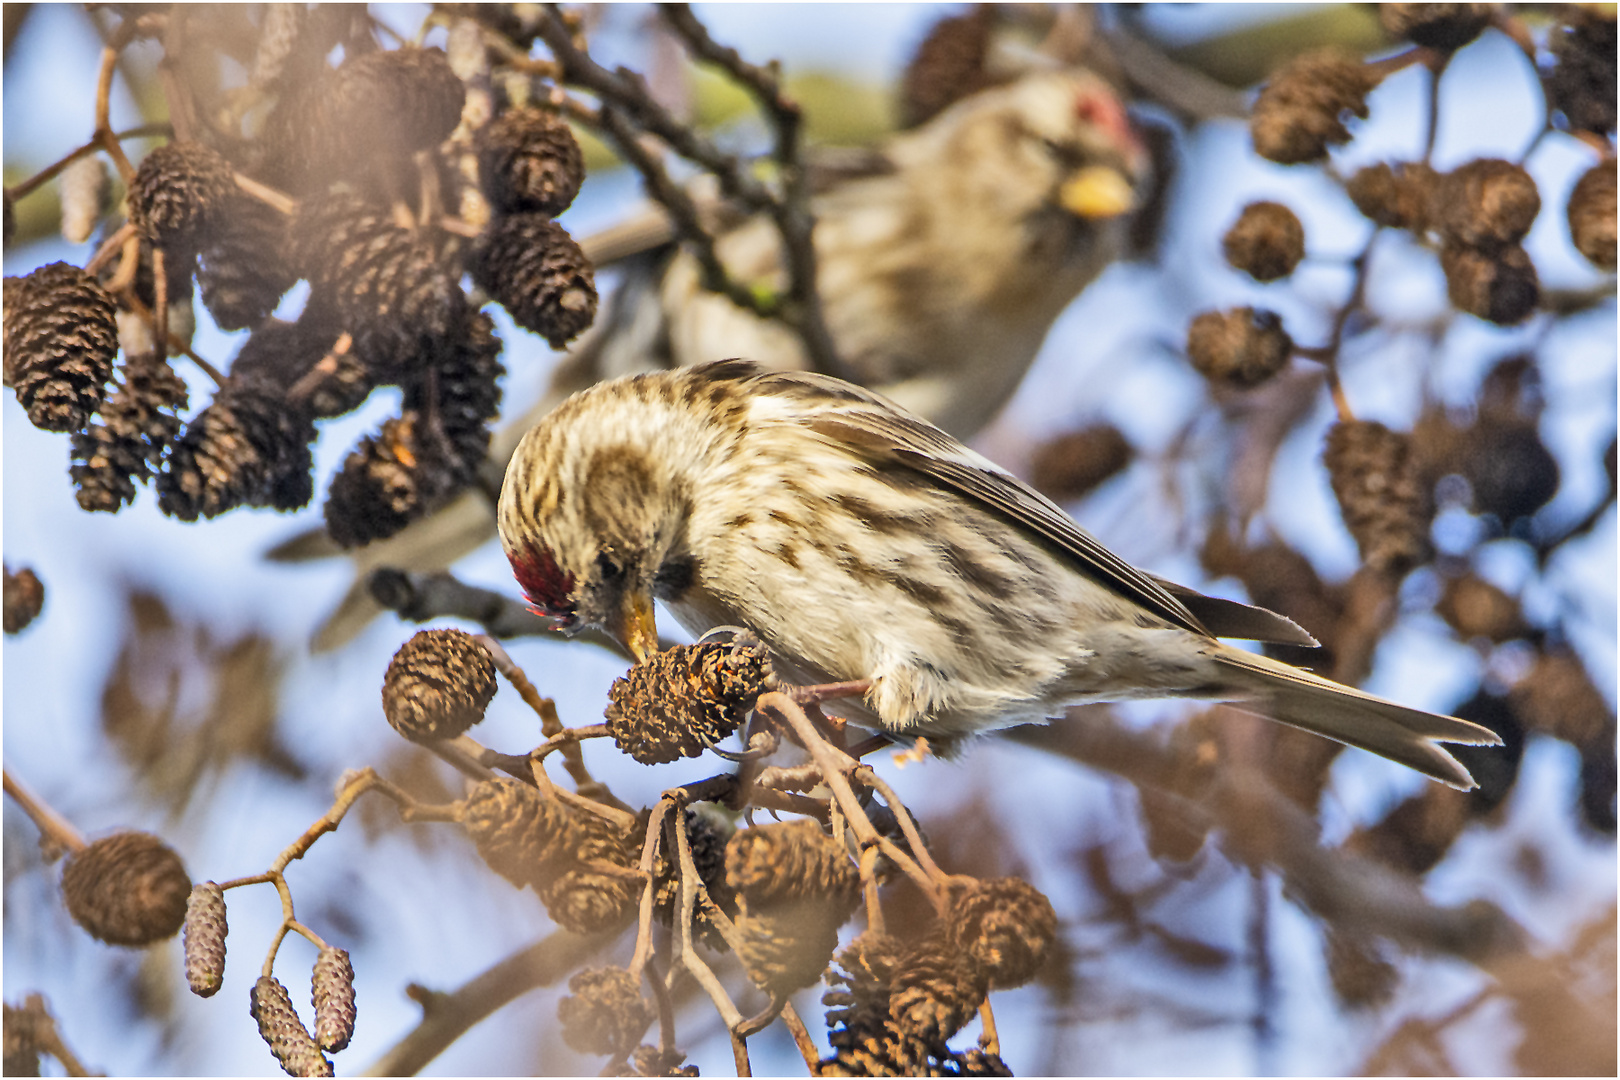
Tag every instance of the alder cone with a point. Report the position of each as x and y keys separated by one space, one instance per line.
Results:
x=129 y=888
x=534 y=269
x=1297 y=115
x=438 y=685
x=179 y=194
x=529 y=161
x=1591 y=215
x=248 y=448
x=61 y=340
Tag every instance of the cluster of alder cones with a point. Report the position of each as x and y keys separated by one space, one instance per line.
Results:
x=373 y=182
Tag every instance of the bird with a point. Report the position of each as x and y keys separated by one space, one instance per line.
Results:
x=943 y=258
x=863 y=544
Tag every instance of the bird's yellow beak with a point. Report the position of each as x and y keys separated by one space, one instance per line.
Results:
x=637 y=626
x=1097 y=191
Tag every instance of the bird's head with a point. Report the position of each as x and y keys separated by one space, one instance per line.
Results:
x=592 y=517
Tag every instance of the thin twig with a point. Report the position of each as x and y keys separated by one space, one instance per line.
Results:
x=27 y=187
x=47 y=820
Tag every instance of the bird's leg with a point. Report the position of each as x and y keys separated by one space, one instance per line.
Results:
x=810 y=695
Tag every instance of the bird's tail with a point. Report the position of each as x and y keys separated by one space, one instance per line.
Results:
x=1409 y=736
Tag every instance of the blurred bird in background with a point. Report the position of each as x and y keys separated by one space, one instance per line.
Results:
x=944 y=256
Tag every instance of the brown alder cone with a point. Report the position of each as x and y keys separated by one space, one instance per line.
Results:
x=139 y=423
x=795 y=888
x=529 y=161
x=1006 y=926
x=129 y=888
x=604 y=1012
x=1581 y=84
x=1298 y=114
x=937 y=990
x=518 y=831
x=1394 y=194
x=61 y=340
x=249 y=447
x=24 y=599
x=1487 y=204
x=1266 y=242
x=1380 y=494
x=1436 y=26
x=1475 y=608
x=684 y=700
x=1072 y=465
x=1591 y=215
x=1500 y=287
x=438 y=685
x=179 y=194
x=534 y=269
x=1242 y=346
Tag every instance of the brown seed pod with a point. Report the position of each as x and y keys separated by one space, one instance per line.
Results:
x=278 y=355
x=1499 y=287
x=518 y=831
x=790 y=860
x=1299 y=112
x=581 y=889
x=1487 y=203
x=529 y=161
x=1385 y=507
x=248 y=448
x=949 y=65
x=438 y=685
x=295 y=1051
x=129 y=888
x=24 y=599
x=1240 y=346
x=533 y=268
x=1006 y=926
x=390 y=104
x=683 y=700
x=1591 y=215
x=863 y=1040
x=332 y=993
x=787 y=947
x=464 y=394
x=139 y=423
x=1266 y=242
x=1475 y=608
x=1394 y=194
x=1581 y=84
x=936 y=991
x=1558 y=698
x=205 y=930
x=179 y=193
x=61 y=339
x=1073 y=465
x=1436 y=26
x=604 y=1012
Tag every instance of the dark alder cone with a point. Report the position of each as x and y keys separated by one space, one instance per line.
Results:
x=786 y=947
x=1437 y=26
x=179 y=194
x=22 y=1026
x=1475 y=608
x=1361 y=977
x=1266 y=242
x=248 y=448
x=248 y=266
x=604 y=1012
x=533 y=268
x=948 y=66
x=138 y=424
x=394 y=289
x=1487 y=203
x=1006 y=926
x=332 y=991
x=1071 y=466
x=936 y=991
x=862 y=1039
x=1581 y=84
x=651 y=1061
x=391 y=479
x=1591 y=215
x=1241 y=346
x=682 y=701
x=272 y=1009
x=61 y=339
x=517 y=830
x=1509 y=468
x=1394 y=194
x=205 y=929
x=129 y=888
x=304 y=356
x=438 y=685
x=529 y=160
x=390 y=104
x=1501 y=288
x=1384 y=504
x=464 y=394
x=24 y=598
x=1299 y=112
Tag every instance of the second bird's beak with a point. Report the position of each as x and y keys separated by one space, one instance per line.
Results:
x=1096 y=192
x=636 y=625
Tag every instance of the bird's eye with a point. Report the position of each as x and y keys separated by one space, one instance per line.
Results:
x=609 y=569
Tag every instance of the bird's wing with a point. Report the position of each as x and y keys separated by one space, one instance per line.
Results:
x=886 y=434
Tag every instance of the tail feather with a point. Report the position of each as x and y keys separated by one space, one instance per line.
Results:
x=1296 y=697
